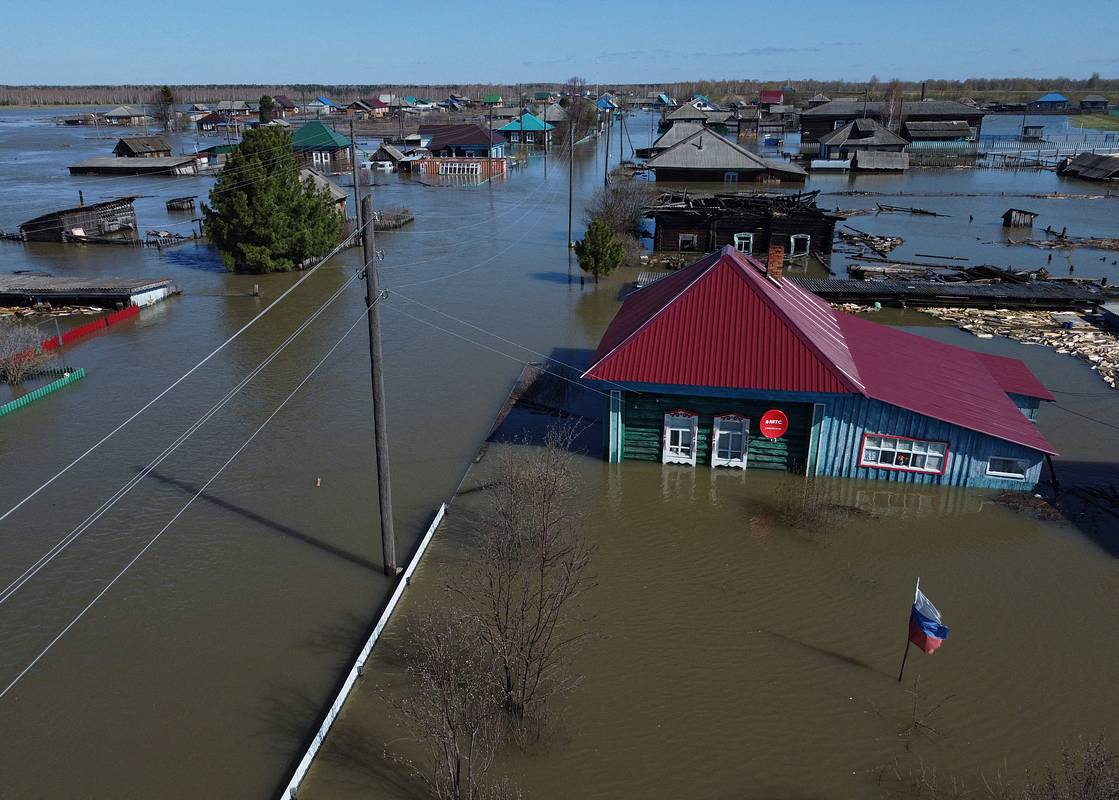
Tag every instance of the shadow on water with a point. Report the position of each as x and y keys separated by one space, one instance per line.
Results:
x=263 y=521
x=200 y=257
x=554 y=277
x=1089 y=501
x=832 y=654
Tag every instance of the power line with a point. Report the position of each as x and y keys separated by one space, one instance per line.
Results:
x=182 y=378
x=90 y=520
x=182 y=510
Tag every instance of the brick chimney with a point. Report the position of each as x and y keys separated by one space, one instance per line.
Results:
x=775 y=265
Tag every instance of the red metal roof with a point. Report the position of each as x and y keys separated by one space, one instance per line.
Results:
x=722 y=322
x=1014 y=376
x=770 y=96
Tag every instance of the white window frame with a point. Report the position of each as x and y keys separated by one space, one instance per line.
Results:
x=741 y=238
x=724 y=422
x=1007 y=475
x=730 y=176
x=875 y=444
x=679 y=420
x=315 y=157
x=799 y=237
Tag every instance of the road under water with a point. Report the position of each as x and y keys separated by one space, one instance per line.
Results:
x=203 y=668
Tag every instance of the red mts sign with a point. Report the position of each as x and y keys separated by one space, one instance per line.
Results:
x=774 y=424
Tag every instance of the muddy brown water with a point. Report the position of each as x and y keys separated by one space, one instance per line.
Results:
x=203 y=669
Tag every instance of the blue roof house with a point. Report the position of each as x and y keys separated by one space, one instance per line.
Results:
x=1054 y=101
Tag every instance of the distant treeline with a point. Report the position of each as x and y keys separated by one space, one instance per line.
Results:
x=976 y=88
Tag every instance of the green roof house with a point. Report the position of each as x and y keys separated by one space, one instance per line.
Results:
x=492 y=99
x=528 y=129
x=319 y=147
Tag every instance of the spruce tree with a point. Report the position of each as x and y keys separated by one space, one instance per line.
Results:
x=262 y=217
x=599 y=253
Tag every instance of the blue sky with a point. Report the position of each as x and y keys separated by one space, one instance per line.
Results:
x=609 y=42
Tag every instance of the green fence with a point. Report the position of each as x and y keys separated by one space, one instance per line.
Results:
x=42 y=392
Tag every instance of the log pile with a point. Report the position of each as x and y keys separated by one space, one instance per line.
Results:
x=46 y=310
x=1090 y=343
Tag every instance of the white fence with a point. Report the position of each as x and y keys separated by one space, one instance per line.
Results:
x=291 y=790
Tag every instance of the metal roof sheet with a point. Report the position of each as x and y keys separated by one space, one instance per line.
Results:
x=314 y=135
x=723 y=323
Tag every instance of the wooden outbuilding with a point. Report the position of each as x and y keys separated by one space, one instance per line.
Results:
x=1017 y=218
x=728 y=363
x=142 y=147
x=110 y=219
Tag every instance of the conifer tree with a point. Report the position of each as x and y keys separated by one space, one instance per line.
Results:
x=599 y=253
x=261 y=216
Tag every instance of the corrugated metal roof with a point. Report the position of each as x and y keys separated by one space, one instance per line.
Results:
x=1092 y=166
x=314 y=135
x=1052 y=97
x=723 y=323
x=865 y=132
x=920 y=109
x=877 y=159
x=677 y=133
x=688 y=111
x=527 y=122
x=770 y=96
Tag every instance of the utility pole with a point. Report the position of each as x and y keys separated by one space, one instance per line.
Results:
x=380 y=424
x=570 y=182
x=353 y=169
x=606 y=159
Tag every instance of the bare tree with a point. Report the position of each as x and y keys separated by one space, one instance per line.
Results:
x=621 y=205
x=534 y=563
x=1092 y=773
x=892 y=112
x=455 y=707
x=162 y=108
x=20 y=353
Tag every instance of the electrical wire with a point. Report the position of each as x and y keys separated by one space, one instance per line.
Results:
x=184 y=376
x=90 y=520
x=187 y=505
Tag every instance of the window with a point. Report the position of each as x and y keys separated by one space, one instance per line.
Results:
x=730 y=177
x=689 y=241
x=679 y=438
x=799 y=244
x=315 y=157
x=898 y=452
x=729 y=441
x=1012 y=468
x=839 y=123
x=744 y=242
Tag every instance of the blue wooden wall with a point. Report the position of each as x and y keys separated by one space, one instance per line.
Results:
x=837 y=427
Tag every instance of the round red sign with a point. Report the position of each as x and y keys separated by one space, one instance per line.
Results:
x=774 y=424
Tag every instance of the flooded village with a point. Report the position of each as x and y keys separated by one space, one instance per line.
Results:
x=736 y=438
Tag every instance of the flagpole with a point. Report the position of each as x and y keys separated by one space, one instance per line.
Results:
x=905 y=654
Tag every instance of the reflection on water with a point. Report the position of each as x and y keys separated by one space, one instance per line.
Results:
x=212 y=644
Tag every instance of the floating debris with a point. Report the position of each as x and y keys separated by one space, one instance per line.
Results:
x=1071 y=334
x=882 y=245
x=885 y=209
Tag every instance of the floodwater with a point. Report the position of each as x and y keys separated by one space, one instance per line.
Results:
x=203 y=669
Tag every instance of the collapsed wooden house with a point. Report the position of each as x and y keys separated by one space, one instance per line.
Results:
x=1092 y=167
x=111 y=219
x=749 y=222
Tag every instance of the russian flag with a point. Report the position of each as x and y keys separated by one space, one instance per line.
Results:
x=925 y=628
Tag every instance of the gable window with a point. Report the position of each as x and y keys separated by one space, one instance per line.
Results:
x=744 y=242
x=729 y=441
x=689 y=241
x=799 y=244
x=902 y=453
x=1012 y=468
x=680 y=429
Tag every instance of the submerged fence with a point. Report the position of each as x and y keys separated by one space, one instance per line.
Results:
x=82 y=331
x=42 y=392
x=290 y=791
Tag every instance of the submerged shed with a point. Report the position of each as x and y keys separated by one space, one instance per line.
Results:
x=108 y=219
x=1092 y=167
x=142 y=147
x=1018 y=218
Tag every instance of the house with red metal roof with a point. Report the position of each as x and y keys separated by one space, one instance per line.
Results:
x=727 y=363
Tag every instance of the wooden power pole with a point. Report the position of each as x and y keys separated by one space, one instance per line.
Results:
x=380 y=424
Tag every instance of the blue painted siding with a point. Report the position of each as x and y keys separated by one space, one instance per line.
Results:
x=837 y=433
x=848 y=417
x=1027 y=405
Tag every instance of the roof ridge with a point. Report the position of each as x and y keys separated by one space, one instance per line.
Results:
x=853 y=382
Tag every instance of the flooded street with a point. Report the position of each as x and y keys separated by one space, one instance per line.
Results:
x=202 y=670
